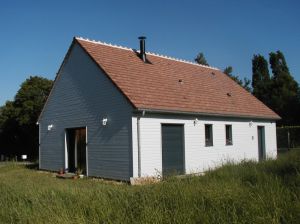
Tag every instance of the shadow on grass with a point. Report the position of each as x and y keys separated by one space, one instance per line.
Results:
x=32 y=166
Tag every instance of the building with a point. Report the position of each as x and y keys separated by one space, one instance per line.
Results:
x=119 y=113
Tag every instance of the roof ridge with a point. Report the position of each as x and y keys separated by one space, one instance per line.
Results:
x=150 y=53
x=103 y=43
x=181 y=60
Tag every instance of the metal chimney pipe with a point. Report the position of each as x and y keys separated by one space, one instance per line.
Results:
x=142 y=48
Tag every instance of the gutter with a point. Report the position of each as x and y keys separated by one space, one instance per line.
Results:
x=158 y=111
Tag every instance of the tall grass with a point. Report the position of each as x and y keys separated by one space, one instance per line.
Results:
x=267 y=192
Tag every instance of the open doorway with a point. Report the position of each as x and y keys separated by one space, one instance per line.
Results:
x=76 y=149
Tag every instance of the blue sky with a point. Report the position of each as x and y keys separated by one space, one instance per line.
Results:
x=35 y=35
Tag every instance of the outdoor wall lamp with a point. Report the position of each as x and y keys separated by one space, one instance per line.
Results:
x=104 y=121
x=196 y=121
x=50 y=126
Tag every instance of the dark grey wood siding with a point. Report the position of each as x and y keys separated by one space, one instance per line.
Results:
x=81 y=97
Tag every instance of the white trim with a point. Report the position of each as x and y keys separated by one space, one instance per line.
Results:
x=103 y=43
x=66 y=151
x=181 y=60
x=75 y=150
x=138 y=128
x=86 y=151
x=39 y=146
x=149 y=53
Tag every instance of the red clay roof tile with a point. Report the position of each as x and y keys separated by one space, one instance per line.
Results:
x=156 y=85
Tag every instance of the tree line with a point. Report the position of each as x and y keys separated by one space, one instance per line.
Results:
x=278 y=91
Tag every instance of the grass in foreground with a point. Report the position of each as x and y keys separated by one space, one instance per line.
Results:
x=267 y=192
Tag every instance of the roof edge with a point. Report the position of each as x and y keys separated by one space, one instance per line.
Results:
x=56 y=78
x=158 y=111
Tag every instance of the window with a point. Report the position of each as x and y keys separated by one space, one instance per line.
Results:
x=208 y=135
x=228 y=130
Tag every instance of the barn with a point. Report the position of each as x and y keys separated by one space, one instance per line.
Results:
x=121 y=113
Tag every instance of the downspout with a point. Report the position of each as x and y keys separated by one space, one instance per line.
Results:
x=139 y=143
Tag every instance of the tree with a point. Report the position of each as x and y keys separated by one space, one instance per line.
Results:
x=228 y=71
x=247 y=84
x=19 y=133
x=200 y=59
x=30 y=99
x=285 y=90
x=261 y=82
x=10 y=132
x=244 y=83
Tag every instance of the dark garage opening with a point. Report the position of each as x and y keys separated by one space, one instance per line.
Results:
x=76 y=149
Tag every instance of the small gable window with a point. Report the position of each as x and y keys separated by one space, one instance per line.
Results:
x=208 y=135
x=228 y=130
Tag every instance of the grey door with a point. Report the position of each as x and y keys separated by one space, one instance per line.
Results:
x=261 y=143
x=172 y=149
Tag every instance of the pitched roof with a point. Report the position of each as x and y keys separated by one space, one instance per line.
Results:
x=167 y=84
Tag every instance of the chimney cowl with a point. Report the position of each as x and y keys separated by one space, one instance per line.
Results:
x=143 y=48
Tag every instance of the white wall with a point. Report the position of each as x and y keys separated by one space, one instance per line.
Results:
x=199 y=158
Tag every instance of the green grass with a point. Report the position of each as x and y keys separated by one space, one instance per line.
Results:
x=267 y=192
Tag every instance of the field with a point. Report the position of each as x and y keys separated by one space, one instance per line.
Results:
x=250 y=192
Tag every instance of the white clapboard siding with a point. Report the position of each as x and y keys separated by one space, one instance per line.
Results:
x=198 y=157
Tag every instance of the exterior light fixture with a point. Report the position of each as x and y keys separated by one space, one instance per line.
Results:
x=196 y=121
x=50 y=126
x=104 y=121
x=24 y=157
x=250 y=124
